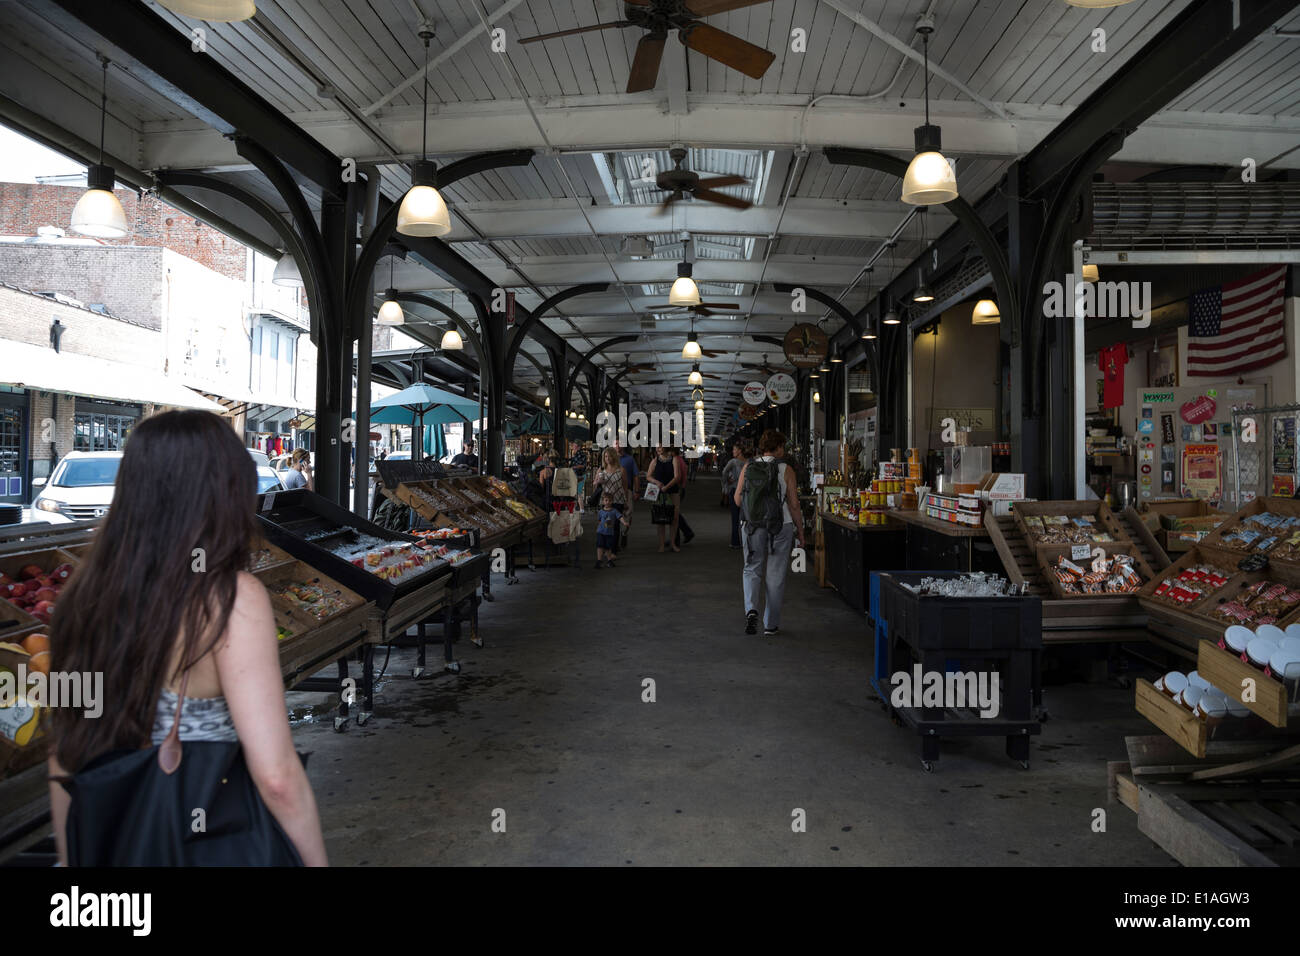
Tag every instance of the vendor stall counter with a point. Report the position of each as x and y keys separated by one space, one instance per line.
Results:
x=854 y=550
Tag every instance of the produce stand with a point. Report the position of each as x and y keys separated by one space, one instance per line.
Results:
x=943 y=634
x=317 y=531
x=1067 y=619
x=854 y=550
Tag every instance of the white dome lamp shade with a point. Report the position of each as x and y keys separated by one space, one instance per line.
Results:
x=390 y=312
x=1090 y=272
x=287 y=272
x=691 y=350
x=695 y=377
x=985 y=313
x=451 y=340
x=213 y=11
x=930 y=178
x=423 y=211
x=817 y=397
x=684 y=290
x=699 y=404
x=98 y=213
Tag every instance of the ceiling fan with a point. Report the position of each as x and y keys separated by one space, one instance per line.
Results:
x=657 y=17
x=765 y=367
x=679 y=183
x=704 y=308
x=629 y=368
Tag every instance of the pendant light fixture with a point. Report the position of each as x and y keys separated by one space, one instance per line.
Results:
x=213 y=11
x=287 y=272
x=1090 y=272
x=817 y=397
x=390 y=312
x=985 y=313
x=891 y=315
x=695 y=378
x=684 y=290
x=814 y=375
x=547 y=403
x=691 y=350
x=922 y=291
x=451 y=340
x=98 y=213
x=930 y=178
x=423 y=211
x=699 y=404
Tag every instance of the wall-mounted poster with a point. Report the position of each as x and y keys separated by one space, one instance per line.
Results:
x=1162 y=369
x=1284 y=486
x=1202 y=472
x=1210 y=430
x=1191 y=433
x=1283 y=445
x=1167 y=429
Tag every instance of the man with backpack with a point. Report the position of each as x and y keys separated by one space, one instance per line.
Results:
x=769 y=501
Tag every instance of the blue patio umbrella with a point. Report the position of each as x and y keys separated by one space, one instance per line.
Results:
x=419 y=404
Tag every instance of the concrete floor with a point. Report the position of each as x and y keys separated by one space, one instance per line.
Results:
x=547 y=723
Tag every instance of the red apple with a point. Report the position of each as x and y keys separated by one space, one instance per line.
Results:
x=31 y=571
x=62 y=572
x=42 y=607
x=42 y=616
x=4 y=578
x=47 y=595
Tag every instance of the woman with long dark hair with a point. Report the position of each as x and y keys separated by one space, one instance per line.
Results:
x=163 y=607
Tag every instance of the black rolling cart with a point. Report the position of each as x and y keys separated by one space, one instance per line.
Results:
x=967 y=634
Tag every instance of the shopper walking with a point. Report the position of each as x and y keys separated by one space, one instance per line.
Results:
x=608 y=520
x=611 y=481
x=633 y=472
x=769 y=500
x=662 y=473
x=182 y=653
x=730 y=479
x=684 y=532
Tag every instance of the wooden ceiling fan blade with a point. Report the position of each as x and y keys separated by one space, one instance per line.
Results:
x=717 y=182
x=565 y=33
x=663 y=206
x=722 y=199
x=728 y=49
x=645 y=64
x=719 y=305
x=705 y=8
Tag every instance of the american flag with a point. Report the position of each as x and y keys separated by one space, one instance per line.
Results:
x=1238 y=327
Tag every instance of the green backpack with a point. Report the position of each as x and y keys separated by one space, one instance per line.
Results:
x=760 y=505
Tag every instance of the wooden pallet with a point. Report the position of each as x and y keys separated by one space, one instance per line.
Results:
x=1240 y=806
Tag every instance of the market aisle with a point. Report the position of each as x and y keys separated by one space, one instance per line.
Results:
x=548 y=724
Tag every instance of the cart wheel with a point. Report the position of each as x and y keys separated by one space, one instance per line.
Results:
x=476 y=641
x=362 y=717
x=417 y=672
x=340 y=723
x=453 y=667
x=927 y=766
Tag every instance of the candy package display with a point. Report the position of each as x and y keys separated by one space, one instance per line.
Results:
x=310 y=598
x=1261 y=533
x=1065 y=529
x=1264 y=602
x=1191 y=585
x=1115 y=575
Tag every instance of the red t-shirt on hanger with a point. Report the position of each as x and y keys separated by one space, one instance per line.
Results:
x=1111 y=362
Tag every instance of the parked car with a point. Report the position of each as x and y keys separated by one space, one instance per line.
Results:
x=80 y=487
x=268 y=479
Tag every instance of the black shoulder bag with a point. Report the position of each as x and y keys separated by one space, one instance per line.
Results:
x=142 y=808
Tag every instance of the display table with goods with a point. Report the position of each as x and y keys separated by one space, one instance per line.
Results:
x=1222 y=785
x=852 y=550
x=943 y=638
x=403 y=577
x=1178 y=525
x=1081 y=560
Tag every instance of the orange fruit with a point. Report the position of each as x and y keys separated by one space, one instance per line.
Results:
x=40 y=662
x=35 y=643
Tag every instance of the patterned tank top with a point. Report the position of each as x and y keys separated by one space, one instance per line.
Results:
x=202 y=718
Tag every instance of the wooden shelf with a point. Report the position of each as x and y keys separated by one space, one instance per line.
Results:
x=1229 y=673
x=1177 y=722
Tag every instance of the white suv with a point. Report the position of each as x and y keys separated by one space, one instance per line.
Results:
x=81 y=486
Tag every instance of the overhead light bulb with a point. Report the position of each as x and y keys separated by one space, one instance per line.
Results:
x=451 y=340
x=213 y=11
x=547 y=403
x=985 y=313
x=390 y=312
x=684 y=290
x=286 y=272
x=836 y=359
x=817 y=397
x=814 y=375
x=98 y=213
x=691 y=350
x=891 y=318
x=1090 y=272
x=423 y=211
x=695 y=378
x=922 y=292
x=930 y=178
x=699 y=405
x=869 y=334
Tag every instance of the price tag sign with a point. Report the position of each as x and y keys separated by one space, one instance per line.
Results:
x=1080 y=552
x=269 y=501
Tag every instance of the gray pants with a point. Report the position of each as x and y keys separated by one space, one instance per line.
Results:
x=765 y=565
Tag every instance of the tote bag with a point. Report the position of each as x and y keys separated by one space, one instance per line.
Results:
x=136 y=808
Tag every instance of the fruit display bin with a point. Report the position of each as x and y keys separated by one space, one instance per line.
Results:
x=16 y=573
x=1282 y=551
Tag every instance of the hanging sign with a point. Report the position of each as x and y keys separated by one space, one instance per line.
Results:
x=806 y=346
x=1202 y=472
x=1200 y=409
x=755 y=393
x=1283 y=445
x=749 y=412
x=781 y=388
x=1157 y=398
x=1167 y=429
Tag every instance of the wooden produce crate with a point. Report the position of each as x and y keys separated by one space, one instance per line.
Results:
x=1228 y=672
x=15 y=623
x=1176 y=721
x=1170 y=513
x=1152 y=549
x=265 y=556
x=11 y=565
x=1188 y=623
x=1287 y=567
x=1048 y=555
x=1103 y=518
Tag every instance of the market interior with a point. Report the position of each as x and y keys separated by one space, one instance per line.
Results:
x=1014 y=280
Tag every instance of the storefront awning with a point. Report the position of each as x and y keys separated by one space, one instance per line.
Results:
x=31 y=366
